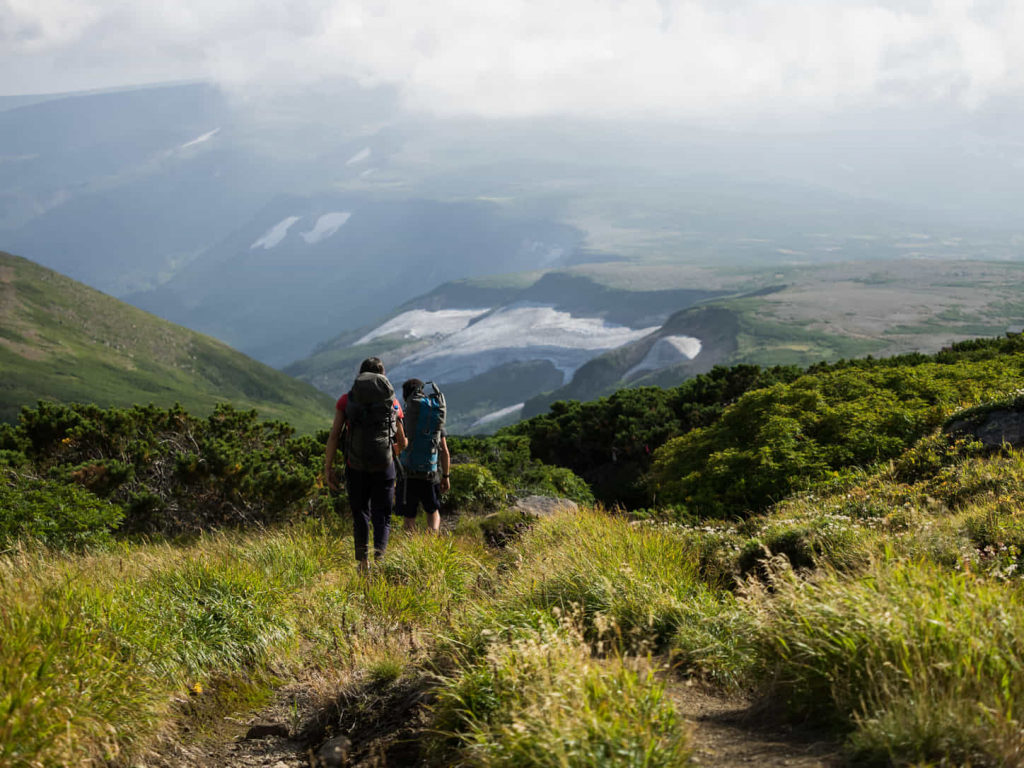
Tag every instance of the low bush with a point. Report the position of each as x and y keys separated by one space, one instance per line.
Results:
x=775 y=441
x=53 y=513
x=509 y=460
x=474 y=489
x=172 y=473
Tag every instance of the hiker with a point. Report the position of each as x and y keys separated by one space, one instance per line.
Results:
x=371 y=419
x=425 y=462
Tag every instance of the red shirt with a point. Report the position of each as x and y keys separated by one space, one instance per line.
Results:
x=343 y=401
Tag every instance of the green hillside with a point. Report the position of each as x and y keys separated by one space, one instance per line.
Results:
x=63 y=341
x=833 y=561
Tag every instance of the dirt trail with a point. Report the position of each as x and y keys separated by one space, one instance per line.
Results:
x=383 y=721
x=385 y=725
x=729 y=731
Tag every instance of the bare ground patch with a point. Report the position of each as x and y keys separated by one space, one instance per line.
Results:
x=728 y=731
x=384 y=724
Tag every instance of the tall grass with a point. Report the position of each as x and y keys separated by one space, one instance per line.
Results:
x=543 y=700
x=920 y=662
x=901 y=626
x=93 y=647
x=637 y=584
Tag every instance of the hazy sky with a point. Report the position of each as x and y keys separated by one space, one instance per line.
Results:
x=664 y=58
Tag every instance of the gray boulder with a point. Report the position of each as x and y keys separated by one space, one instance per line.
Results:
x=544 y=506
x=993 y=428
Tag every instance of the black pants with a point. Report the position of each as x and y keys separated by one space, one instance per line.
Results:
x=372 y=498
x=413 y=491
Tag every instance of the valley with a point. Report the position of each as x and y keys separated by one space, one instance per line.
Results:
x=279 y=225
x=602 y=327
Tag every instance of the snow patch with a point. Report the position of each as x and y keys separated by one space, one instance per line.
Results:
x=326 y=226
x=360 y=156
x=519 y=332
x=495 y=415
x=424 y=324
x=546 y=255
x=201 y=139
x=275 y=234
x=666 y=351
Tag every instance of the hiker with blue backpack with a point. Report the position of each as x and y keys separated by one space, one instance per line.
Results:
x=425 y=463
x=368 y=423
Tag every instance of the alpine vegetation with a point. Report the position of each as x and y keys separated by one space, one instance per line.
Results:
x=837 y=548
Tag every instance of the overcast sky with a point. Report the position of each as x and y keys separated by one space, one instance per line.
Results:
x=661 y=58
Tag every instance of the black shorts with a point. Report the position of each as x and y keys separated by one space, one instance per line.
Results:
x=412 y=492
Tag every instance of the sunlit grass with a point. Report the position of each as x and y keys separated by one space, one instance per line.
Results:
x=887 y=606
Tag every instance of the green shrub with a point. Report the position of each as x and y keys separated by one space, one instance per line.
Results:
x=171 y=472
x=610 y=441
x=775 y=441
x=55 y=514
x=474 y=489
x=508 y=458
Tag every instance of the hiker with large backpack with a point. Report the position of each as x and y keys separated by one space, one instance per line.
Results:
x=425 y=462
x=368 y=422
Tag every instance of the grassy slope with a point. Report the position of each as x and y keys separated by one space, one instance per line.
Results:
x=900 y=633
x=63 y=341
x=904 y=639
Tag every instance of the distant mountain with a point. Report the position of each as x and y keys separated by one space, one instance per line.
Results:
x=63 y=341
x=493 y=345
x=304 y=267
x=505 y=348
x=824 y=313
x=276 y=220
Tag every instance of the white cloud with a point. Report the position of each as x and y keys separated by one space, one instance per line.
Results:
x=671 y=58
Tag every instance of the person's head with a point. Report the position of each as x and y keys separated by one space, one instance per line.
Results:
x=372 y=365
x=411 y=387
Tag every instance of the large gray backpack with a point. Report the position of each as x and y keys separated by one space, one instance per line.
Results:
x=372 y=422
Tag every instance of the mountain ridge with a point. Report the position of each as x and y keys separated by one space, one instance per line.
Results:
x=61 y=340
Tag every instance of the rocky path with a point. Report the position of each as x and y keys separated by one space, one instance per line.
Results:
x=375 y=726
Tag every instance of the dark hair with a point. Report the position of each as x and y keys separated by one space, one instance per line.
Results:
x=372 y=365
x=410 y=387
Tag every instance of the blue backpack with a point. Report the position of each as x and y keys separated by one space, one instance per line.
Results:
x=424 y=420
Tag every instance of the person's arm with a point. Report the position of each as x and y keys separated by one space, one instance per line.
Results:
x=400 y=440
x=330 y=476
x=444 y=461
